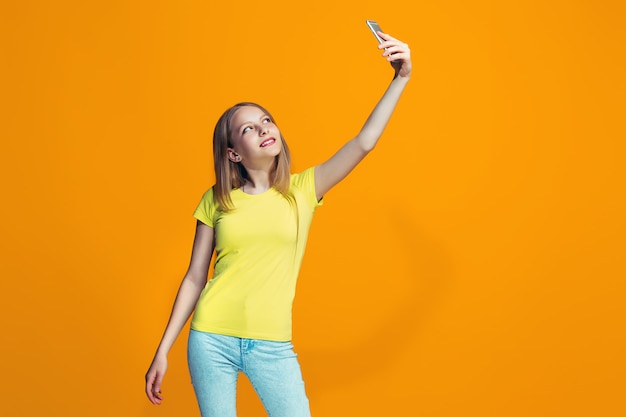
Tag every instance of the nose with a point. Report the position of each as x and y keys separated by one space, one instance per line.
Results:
x=263 y=129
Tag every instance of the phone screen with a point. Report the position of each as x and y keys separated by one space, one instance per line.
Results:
x=374 y=28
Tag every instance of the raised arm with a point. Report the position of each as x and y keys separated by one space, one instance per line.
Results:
x=328 y=174
x=192 y=285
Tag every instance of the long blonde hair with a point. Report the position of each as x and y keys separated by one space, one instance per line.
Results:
x=230 y=175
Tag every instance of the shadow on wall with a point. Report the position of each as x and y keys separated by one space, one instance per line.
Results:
x=421 y=274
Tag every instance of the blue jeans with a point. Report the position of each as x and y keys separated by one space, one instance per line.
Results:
x=272 y=367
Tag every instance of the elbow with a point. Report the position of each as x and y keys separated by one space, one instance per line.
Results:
x=196 y=278
x=367 y=143
x=369 y=147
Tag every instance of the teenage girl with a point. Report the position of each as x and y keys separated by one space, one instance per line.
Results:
x=256 y=219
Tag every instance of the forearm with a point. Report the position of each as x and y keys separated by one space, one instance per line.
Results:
x=185 y=302
x=378 y=119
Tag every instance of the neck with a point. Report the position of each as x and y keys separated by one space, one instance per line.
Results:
x=257 y=182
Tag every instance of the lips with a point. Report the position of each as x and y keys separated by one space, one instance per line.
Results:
x=268 y=142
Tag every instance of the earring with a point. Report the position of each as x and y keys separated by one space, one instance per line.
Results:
x=238 y=158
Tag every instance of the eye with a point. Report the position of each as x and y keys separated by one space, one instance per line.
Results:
x=267 y=120
x=246 y=129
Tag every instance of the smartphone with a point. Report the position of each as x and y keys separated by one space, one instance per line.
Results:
x=375 y=28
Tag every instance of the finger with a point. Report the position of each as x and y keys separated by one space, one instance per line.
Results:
x=394 y=47
x=156 y=389
x=152 y=390
x=157 y=398
x=396 y=55
x=386 y=36
x=149 y=393
x=393 y=50
x=154 y=397
x=399 y=57
x=386 y=45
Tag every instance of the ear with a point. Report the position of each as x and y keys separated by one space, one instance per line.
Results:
x=233 y=156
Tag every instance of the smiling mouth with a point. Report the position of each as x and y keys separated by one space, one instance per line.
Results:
x=268 y=142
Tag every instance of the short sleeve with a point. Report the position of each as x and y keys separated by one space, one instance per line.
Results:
x=205 y=212
x=304 y=182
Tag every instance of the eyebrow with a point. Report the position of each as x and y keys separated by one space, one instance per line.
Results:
x=263 y=116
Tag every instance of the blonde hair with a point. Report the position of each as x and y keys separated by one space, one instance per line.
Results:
x=230 y=175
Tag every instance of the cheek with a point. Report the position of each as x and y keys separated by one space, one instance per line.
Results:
x=239 y=142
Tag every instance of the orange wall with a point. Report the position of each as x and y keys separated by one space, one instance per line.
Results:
x=473 y=265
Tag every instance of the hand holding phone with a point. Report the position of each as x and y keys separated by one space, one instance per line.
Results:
x=396 y=52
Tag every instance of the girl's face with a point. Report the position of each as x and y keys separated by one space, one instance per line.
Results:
x=254 y=136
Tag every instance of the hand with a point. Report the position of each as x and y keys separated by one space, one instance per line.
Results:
x=397 y=53
x=154 y=378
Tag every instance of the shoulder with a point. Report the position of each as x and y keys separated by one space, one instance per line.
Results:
x=206 y=208
x=208 y=197
x=304 y=178
x=303 y=187
x=209 y=193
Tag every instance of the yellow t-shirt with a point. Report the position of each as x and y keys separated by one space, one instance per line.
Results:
x=259 y=248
